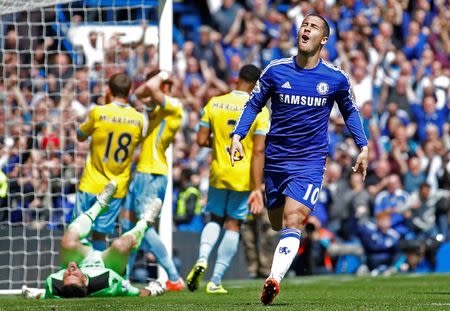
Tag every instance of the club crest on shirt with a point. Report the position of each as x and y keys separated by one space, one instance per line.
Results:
x=284 y=250
x=257 y=88
x=322 y=88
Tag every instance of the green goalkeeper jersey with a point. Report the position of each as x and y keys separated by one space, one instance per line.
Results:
x=102 y=282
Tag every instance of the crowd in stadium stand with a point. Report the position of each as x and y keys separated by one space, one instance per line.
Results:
x=397 y=54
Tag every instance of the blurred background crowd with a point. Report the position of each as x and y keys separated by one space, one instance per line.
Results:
x=396 y=52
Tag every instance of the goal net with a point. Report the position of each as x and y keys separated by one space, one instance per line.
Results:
x=55 y=58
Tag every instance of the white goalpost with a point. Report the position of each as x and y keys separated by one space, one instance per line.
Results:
x=165 y=13
x=55 y=56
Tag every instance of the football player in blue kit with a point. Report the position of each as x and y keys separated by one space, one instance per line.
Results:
x=302 y=90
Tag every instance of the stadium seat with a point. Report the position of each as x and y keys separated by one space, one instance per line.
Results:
x=178 y=36
x=283 y=8
x=347 y=264
x=442 y=258
x=190 y=23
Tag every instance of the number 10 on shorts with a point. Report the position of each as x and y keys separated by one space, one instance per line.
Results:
x=311 y=195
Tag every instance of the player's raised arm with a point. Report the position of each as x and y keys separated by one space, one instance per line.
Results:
x=153 y=87
x=346 y=105
x=87 y=127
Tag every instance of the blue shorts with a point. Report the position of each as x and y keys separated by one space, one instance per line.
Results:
x=299 y=182
x=224 y=202
x=106 y=222
x=142 y=189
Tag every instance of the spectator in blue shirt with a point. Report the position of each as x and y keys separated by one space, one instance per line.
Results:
x=369 y=118
x=225 y=16
x=415 y=42
x=427 y=113
x=379 y=241
x=367 y=8
x=272 y=24
x=415 y=175
x=347 y=14
x=393 y=200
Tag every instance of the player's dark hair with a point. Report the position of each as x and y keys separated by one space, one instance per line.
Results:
x=73 y=291
x=249 y=73
x=151 y=74
x=120 y=85
x=326 y=28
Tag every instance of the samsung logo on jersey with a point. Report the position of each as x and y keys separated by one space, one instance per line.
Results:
x=303 y=100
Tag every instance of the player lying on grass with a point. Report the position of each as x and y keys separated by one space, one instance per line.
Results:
x=90 y=273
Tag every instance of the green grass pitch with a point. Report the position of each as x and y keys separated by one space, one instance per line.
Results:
x=405 y=292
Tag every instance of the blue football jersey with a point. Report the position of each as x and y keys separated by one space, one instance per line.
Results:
x=301 y=102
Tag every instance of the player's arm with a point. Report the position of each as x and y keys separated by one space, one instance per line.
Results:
x=87 y=127
x=344 y=99
x=152 y=88
x=259 y=144
x=33 y=293
x=123 y=288
x=258 y=99
x=154 y=288
x=255 y=200
x=204 y=138
x=145 y=126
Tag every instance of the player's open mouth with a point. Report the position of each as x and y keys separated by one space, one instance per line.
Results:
x=305 y=38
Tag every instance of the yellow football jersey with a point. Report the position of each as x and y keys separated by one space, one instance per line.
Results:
x=115 y=130
x=164 y=122
x=220 y=115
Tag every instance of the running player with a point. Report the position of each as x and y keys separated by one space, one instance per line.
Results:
x=302 y=90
